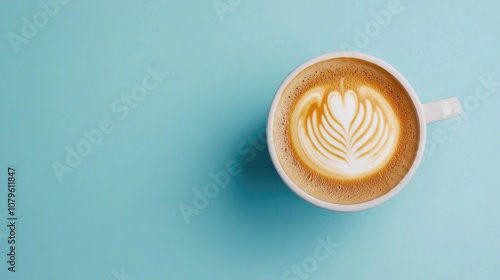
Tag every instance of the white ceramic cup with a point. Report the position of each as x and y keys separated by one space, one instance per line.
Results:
x=427 y=113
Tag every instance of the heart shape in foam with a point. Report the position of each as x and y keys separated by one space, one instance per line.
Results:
x=343 y=108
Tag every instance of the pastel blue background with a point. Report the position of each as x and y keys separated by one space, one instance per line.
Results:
x=119 y=209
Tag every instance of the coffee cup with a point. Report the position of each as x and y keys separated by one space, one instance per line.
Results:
x=346 y=131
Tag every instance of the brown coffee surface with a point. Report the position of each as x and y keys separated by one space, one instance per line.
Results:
x=346 y=131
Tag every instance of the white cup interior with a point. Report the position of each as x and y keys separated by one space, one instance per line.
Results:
x=347 y=207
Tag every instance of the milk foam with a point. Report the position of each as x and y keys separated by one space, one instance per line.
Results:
x=344 y=134
x=345 y=131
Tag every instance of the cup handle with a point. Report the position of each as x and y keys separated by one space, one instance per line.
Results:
x=442 y=109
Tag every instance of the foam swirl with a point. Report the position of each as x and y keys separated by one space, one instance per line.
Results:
x=344 y=134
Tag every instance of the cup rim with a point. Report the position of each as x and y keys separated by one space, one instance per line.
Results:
x=363 y=205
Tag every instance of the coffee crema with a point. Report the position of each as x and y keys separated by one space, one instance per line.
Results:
x=345 y=131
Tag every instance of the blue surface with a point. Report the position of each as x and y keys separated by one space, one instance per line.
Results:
x=117 y=216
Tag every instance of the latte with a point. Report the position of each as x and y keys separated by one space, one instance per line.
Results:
x=345 y=131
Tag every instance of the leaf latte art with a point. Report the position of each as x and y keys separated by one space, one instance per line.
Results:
x=344 y=134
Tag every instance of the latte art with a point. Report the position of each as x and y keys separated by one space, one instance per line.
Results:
x=344 y=134
x=345 y=130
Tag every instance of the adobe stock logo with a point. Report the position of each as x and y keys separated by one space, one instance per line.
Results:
x=30 y=27
x=373 y=28
x=483 y=91
x=122 y=107
x=121 y=276
x=221 y=179
x=223 y=6
x=310 y=264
